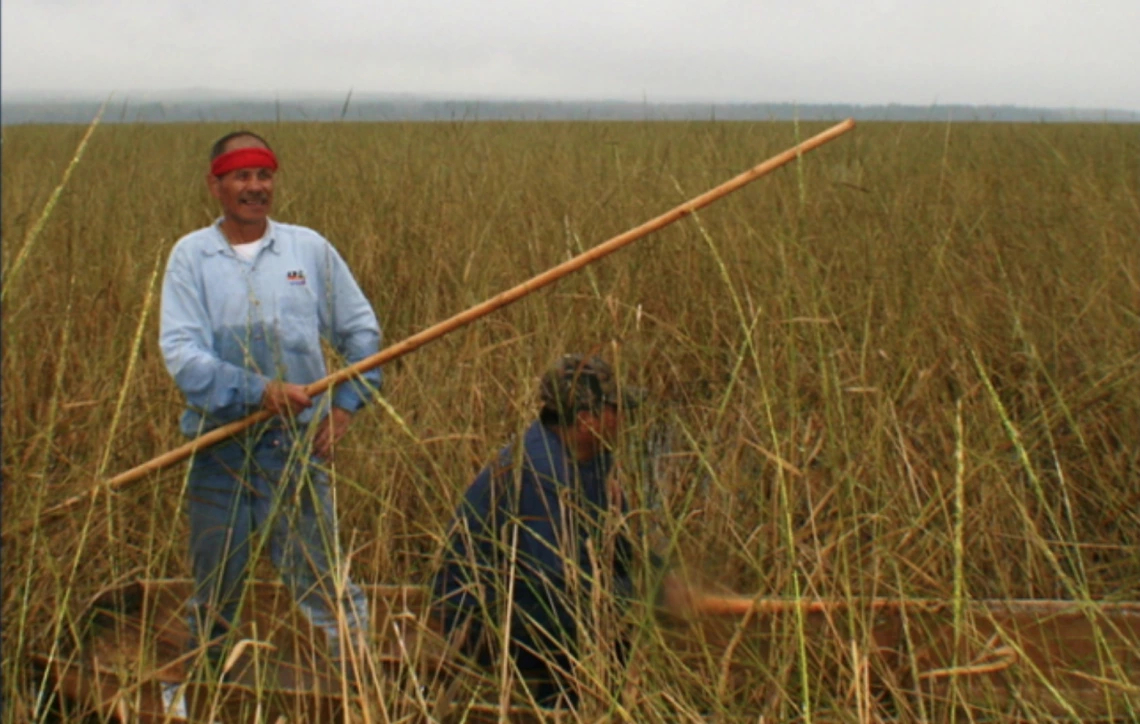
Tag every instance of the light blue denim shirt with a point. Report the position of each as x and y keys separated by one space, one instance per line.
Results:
x=229 y=326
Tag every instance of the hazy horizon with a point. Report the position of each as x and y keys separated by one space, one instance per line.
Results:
x=1022 y=53
x=201 y=93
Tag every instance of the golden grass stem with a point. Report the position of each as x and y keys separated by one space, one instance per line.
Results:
x=1073 y=587
x=49 y=207
x=48 y=439
x=959 y=543
x=125 y=387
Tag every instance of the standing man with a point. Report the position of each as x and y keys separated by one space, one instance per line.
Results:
x=245 y=304
x=539 y=530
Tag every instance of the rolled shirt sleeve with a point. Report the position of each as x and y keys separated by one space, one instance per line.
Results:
x=351 y=327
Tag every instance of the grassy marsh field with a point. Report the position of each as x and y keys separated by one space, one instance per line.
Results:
x=907 y=365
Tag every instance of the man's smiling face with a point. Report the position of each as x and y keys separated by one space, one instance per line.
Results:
x=246 y=194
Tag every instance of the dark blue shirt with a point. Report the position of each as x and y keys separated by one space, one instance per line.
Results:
x=559 y=506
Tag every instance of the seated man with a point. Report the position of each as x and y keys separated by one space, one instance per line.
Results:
x=533 y=525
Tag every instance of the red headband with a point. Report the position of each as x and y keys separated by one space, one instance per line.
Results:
x=243 y=158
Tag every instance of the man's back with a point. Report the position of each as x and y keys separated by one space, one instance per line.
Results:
x=558 y=505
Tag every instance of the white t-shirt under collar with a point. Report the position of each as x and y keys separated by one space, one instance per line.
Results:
x=249 y=249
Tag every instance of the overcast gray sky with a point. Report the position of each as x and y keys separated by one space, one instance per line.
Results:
x=1057 y=53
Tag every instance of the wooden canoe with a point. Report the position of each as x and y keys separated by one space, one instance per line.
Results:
x=1006 y=659
x=129 y=662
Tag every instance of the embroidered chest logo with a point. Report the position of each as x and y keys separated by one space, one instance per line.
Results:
x=296 y=277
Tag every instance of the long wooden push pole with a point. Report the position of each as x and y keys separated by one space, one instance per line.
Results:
x=734 y=605
x=463 y=318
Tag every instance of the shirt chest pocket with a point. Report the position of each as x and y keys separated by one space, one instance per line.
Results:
x=296 y=320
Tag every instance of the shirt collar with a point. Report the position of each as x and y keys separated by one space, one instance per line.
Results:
x=560 y=454
x=221 y=245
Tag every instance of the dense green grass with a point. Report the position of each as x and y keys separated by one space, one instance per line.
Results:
x=910 y=359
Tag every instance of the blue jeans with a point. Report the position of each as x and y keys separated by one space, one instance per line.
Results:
x=249 y=492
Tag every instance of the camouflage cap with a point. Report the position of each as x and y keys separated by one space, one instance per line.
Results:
x=576 y=383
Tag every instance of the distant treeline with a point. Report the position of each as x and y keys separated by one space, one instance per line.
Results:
x=419 y=109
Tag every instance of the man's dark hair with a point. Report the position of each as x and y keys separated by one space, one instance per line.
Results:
x=219 y=146
x=554 y=418
x=567 y=417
